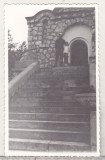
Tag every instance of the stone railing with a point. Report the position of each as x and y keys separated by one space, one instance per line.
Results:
x=20 y=79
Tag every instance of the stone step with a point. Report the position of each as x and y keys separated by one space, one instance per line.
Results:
x=49 y=117
x=60 y=77
x=47 y=95
x=67 y=70
x=55 y=74
x=53 y=135
x=42 y=145
x=41 y=88
x=61 y=110
x=43 y=82
x=47 y=83
x=45 y=116
x=57 y=84
x=38 y=103
x=54 y=89
x=70 y=71
x=27 y=94
x=50 y=125
x=61 y=72
x=64 y=68
x=43 y=96
x=46 y=100
x=52 y=92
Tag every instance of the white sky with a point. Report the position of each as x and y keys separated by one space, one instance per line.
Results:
x=15 y=19
x=16 y=22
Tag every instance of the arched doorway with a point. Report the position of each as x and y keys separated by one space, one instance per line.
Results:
x=79 y=53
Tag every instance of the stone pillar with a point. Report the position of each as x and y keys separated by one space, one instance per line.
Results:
x=92 y=62
x=92 y=71
x=93 y=130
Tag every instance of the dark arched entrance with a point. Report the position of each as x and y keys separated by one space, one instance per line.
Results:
x=79 y=53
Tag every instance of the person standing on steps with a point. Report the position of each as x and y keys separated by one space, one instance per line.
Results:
x=66 y=52
x=59 y=47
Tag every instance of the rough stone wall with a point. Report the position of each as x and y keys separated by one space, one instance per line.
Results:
x=44 y=27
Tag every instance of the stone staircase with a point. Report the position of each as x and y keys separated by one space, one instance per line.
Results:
x=45 y=116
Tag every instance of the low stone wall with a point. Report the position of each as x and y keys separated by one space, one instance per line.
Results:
x=20 y=79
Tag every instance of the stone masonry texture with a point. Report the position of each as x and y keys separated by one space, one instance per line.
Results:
x=44 y=27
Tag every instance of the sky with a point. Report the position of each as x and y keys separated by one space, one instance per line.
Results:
x=15 y=19
x=16 y=22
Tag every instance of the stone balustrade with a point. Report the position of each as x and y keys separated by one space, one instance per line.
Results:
x=20 y=79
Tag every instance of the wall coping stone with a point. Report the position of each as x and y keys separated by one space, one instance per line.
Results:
x=20 y=79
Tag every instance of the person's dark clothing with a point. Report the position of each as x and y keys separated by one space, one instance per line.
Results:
x=59 y=55
x=59 y=46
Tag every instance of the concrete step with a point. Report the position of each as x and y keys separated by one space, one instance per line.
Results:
x=28 y=93
x=45 y=116
x=53 y=135
x=42 y=98
x=62 y=77
x=49 y=117
x=50 y=125
x=65 y=110
x=54 y=89
x=83 y=71
x=57 y=84
x=42 y=145
x=52 y=92
x=47 y=83
x=38 y=103
x=64 y=70
x=46 y=100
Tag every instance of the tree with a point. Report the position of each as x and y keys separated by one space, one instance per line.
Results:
x=11 y=44
x=21 y=49
x=11 y=53
x=15 y=52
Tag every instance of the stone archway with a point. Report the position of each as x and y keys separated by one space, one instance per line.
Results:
x=79 y=32
x=79 y=53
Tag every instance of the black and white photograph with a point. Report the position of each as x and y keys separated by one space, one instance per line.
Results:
x=52 y=79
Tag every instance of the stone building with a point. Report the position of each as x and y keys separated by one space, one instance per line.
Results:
x=77 y=26
x=54 y=109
